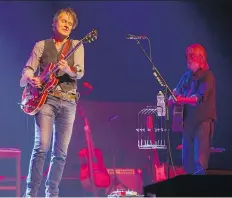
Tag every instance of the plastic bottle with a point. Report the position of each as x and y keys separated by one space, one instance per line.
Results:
x=161 y=110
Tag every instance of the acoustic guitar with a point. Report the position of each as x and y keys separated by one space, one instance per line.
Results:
x=178 y=109
x=178 y=118
x=34 y=98
x=93 y=173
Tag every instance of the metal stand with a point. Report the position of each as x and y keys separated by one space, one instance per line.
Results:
x=144 y=140
x=166 y=91
x=152 y=135
x=115 y=182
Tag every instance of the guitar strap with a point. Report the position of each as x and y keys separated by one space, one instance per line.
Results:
x=62 y=54
x=64 y=49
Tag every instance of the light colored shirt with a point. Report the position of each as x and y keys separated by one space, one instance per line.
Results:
x=36 y=54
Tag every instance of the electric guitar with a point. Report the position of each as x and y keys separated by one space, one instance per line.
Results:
x=34 y=98
x=159 y=168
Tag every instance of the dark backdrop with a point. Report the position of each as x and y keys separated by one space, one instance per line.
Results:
x=120 y=73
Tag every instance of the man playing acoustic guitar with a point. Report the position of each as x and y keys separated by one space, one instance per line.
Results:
x=60 y=106
x=196 y=91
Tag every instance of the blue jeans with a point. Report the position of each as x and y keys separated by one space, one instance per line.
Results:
x=196 y=148
x=62 y=114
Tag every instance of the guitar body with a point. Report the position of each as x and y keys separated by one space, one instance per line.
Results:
x=178 y=115
x=182 y=88
x=160 y=172
x=93 y=173
x=101 y=178
x=33 y=98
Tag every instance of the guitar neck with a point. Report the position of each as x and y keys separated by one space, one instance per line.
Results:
x=89 y=138
x=150 y=126
x=73 y=50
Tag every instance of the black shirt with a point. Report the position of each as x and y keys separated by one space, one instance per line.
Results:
x=201 y=84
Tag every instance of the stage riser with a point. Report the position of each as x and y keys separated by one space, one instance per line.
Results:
x=215 y=184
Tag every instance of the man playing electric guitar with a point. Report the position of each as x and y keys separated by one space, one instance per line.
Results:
x=60 y=106
x=196 y=91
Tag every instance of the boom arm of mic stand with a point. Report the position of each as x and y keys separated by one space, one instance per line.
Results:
x=167 y=90
x=156 y=73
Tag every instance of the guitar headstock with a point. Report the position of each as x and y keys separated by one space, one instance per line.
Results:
x=90 y=37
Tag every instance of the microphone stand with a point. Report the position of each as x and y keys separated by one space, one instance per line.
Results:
x=115 y=181
x=166 y=91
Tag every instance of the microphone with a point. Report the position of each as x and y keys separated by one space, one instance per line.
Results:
x=131 y=36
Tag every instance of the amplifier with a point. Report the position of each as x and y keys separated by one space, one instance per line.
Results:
x=127 y=179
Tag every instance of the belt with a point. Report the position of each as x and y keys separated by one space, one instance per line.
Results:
x=64 y=96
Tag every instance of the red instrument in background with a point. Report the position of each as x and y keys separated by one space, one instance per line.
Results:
x=93 y=172
x=33 y=98
x=159 y=173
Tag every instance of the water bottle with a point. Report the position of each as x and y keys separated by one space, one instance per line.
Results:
x=161 y=110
